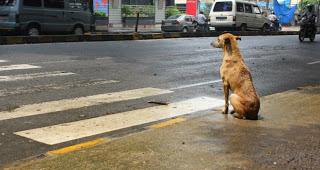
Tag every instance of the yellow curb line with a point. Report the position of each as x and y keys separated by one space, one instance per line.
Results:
x=167 y=123
x=99 y=141
x=80 y=146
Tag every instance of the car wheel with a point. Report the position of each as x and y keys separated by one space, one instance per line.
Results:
x=243 y=27
x=184 y=30
x=33 y=31
x=78 y=30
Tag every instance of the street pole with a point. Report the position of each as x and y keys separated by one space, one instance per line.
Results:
x=137 y=22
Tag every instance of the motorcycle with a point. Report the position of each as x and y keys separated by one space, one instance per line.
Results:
x=201 y=28
x=308 y=28
x=275 y=25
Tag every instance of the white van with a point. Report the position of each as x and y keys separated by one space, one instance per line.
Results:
x=237 y=15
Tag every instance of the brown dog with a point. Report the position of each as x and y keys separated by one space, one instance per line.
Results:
x=237 y=78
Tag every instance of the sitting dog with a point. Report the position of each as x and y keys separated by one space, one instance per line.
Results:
x=237 y=78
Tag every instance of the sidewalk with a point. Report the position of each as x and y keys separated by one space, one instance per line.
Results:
x=287 y=137
x=290 y=28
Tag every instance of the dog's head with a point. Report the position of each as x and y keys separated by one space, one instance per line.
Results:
x=224 y=40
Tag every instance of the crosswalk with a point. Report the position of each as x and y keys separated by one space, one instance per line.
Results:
x=64 y=132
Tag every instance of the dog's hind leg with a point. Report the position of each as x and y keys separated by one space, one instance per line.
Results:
x=238 y=108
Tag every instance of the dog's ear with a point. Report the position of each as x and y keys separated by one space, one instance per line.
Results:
x=227 y=45
x=238 y=38
x=227 y=41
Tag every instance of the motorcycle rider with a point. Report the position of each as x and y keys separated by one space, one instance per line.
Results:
x=307 y=23
x=307 y=14
x=201 y=19
x=272 y=17
x=307 y=17
x=274 y=20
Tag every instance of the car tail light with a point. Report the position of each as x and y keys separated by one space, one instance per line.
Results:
x=234 y=18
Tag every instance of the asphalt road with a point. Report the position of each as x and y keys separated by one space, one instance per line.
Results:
x=188 y=67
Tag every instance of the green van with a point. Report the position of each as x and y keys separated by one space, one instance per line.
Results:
x=35 y=17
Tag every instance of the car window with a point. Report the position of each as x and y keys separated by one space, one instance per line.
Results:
x=76 y=4
x=256 y=10
x=7 y=2
x=223 y=6
x=34 y=3
x=54 y=3
x=174 y=17
x=240 y=7
x=188 y=19
x=248 y=8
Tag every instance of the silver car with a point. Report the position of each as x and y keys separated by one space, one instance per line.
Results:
x=179 y=23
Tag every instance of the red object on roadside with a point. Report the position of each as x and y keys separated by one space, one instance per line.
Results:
x=191 y=7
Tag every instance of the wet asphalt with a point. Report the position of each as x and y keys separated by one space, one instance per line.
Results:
x=277 y=63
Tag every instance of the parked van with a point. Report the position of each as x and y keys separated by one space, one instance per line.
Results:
x=237 y=14
x=34 y=17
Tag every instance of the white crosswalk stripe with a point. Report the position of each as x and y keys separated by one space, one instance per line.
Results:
x=67 y=104
x=70 y=131
x=3 y=61
x=34 y=75
x=18 y=67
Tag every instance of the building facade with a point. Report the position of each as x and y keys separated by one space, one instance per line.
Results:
x=122 y=13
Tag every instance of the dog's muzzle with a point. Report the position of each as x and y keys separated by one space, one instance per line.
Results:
x=215 y=45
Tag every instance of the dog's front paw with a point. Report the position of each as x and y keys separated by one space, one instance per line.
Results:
x=237 y=115
x=225 y=110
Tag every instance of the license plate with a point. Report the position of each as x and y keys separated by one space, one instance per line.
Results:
x=212 y=28
x=221 y=18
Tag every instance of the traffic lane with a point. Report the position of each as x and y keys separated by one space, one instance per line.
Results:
x=134 y=49
x=272 y=64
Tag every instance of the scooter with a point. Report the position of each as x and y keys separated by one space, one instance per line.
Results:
x=308 y=29
x=275 y=26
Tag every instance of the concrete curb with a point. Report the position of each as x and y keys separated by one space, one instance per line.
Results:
x=7 y=40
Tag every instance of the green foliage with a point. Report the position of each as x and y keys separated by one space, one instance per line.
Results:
x=126 y=11
x=172 y=10
x=100 y=14
x=303 y=3
x=144 y=10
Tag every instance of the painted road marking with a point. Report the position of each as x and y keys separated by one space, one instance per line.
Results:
x=315 y=62
x=75 y=103
x=209 y=49
x=75 y=130
x=34 y=75
x=3 y=61
x=80 y=146
x=196 y=84
x=167 y=123
x=18 y=67
x=39 y=88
